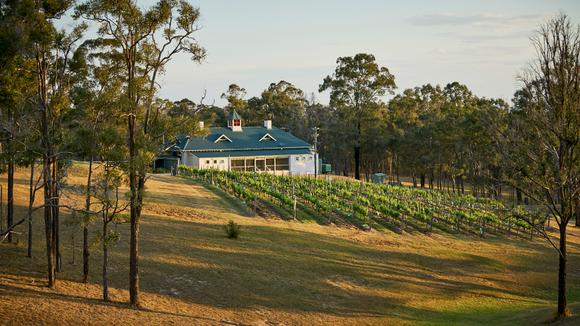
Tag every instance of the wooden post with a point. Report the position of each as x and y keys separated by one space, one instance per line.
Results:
x=1 y=210
x=294 y=195
x=255 y=207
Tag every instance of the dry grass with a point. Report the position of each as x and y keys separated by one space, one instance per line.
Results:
x=281 y=272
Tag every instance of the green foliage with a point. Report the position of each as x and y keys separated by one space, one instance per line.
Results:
x=232 y=230
x=109 y=239
x=361 y=205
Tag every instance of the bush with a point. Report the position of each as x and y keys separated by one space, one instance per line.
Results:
x=232 y=230
x=161 y=170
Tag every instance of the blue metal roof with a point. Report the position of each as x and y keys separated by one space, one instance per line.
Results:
x=234 y=115
x=243 y=153
x=247 y=139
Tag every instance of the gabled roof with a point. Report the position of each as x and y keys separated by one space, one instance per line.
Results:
x=222 y=137
x=247 y=139
x=267 y=136
x=234 y=115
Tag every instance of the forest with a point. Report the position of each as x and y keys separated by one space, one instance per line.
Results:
x=69 y=95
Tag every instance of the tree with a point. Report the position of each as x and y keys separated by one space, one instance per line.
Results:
x=142 y=42
x=284 y=104
x=96 y=96
x=542 y=142
x=356 y=87
x=14 y=89
x=111 y=206
x=235 y=95
x=44 y=52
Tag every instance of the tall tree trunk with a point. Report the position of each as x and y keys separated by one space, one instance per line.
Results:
x=133 y=182
x=453 y=183
x=577 y=211
x=56 y=215
x=47 y=175
x=562 y=301
x=357 y=152
x=357 y=162
x=134 y=203
x=10 y=197
x=48 y=223
x=1 y=208
x=397 y=169
x=422 y=180
x=391 y=168
x=440 y=176
x=31 y=195
x=86 y=252
x=105 y=262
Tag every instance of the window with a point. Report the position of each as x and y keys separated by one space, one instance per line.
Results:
x=282 y=164
x=237 y=123
x=207 y=162
x=297 y=158
x=214 y=161
x=270 y=164
x=310 y=158
x=238 y=165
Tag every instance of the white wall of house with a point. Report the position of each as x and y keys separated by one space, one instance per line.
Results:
x=216 y=163
x=297 y=164
x=302 y=164
x=186 y=159
x=194 y=161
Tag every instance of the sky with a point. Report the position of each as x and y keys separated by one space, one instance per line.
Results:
x=483 y=44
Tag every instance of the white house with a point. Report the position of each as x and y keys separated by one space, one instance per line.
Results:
x=238 y=148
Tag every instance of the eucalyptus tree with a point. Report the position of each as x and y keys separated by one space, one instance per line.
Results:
x=110 y=202
x=235 y=95
x=46 y=51
x=142 y=41
x=413 y=117
x=13 y=93
x=284 y=104
x=96 y=97
x=542 y=144
x=357 y=85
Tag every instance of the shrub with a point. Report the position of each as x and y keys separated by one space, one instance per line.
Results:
x=232 y=230
x=161 y=170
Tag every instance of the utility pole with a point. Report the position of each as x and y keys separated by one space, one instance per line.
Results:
x=316 y=151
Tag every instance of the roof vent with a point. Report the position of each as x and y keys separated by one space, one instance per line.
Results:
x=268 y=124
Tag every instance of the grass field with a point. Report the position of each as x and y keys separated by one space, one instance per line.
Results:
x=282 y=272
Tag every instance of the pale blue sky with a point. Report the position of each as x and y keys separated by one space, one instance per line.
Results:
x=483 y=44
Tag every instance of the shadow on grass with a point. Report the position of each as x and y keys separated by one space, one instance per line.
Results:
x=20 y=292
x=289 y=270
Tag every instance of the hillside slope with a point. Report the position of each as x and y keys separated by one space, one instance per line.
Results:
x=282 y=272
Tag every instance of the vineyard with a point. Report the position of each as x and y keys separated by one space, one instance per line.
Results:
x=367 y=205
